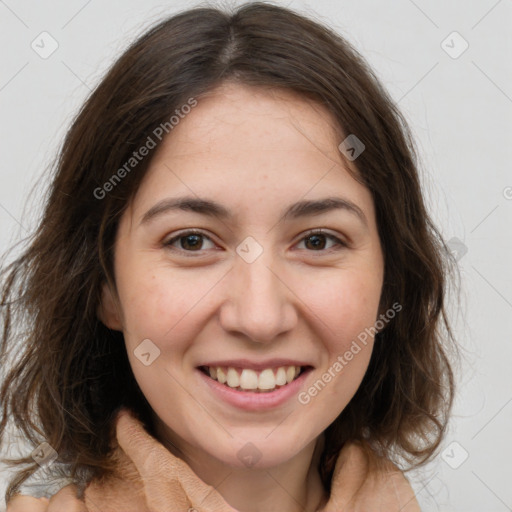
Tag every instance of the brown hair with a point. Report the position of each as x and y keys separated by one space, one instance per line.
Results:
x=72 y=373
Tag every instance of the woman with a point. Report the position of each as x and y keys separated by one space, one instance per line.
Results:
x=236 y=295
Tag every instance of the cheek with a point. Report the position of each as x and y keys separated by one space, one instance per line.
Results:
x=346 y=305
x=160 y=304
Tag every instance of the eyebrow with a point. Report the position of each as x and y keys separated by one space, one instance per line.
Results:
x=213 y=209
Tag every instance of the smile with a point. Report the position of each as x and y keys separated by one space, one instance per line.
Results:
x=246 y=379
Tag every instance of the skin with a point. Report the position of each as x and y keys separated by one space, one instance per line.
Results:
x=255 y=151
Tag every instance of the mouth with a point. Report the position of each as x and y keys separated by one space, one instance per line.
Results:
x=249 y=380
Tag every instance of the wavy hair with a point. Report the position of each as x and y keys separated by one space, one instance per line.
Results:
x=71 y=374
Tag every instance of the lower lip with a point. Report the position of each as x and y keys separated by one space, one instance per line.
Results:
x=250 y=401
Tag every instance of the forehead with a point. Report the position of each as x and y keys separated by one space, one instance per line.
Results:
x=255 y=119
x=264 y=144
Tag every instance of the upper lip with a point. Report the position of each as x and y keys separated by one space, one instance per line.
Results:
x=254 y=365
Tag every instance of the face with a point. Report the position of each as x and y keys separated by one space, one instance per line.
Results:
x=264 y=281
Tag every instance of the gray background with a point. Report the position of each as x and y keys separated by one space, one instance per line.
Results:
x=460 y=110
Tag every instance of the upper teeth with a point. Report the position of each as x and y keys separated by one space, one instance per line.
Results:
x=250 y=379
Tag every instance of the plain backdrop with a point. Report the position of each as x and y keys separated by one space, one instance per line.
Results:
x=446 y=63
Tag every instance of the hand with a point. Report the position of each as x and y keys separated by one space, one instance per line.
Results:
x=64 y=501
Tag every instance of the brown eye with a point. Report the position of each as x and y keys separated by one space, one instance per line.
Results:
x=189 y=241
x=317 y=241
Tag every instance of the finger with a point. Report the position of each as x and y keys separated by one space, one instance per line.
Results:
x=166 y=478
x=27 y=504
x=66 y=500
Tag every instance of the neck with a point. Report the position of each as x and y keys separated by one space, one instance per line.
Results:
x=294 y=485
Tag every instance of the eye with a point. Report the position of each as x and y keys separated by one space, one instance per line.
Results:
x=193 y=241
x=316 y=240
x=188 y=241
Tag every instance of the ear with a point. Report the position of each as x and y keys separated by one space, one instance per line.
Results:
x=108 y=311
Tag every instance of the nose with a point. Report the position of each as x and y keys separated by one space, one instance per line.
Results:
x=259 y=303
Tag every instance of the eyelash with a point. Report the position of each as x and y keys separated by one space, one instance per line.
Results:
x=168 y=244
